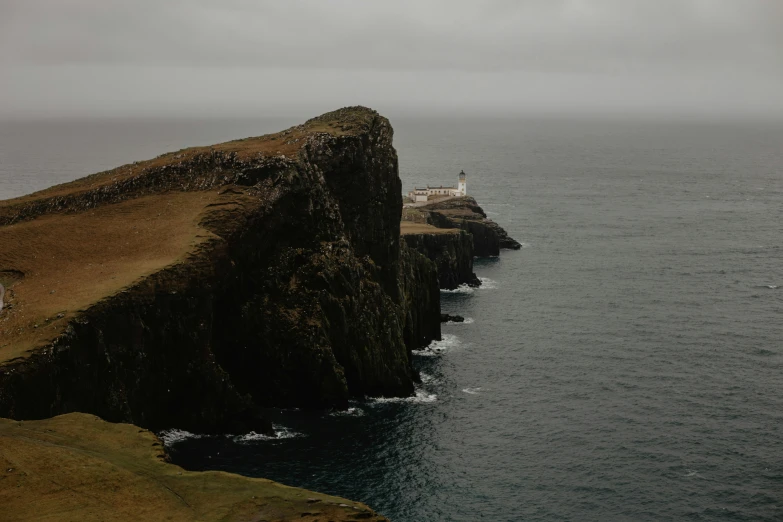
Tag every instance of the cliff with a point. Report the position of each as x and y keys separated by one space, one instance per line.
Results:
x=451 y=250
x=464 y=213
x=189 y=290
x=78 y=467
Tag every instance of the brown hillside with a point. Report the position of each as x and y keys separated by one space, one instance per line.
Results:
x=69 y=246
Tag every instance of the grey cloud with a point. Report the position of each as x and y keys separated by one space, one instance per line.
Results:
x=496 y=35
x=627 y=52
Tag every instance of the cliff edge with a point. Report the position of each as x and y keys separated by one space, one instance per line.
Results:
x=464 y=213
x=451 y=249
x=189 y=290
x=78 y=467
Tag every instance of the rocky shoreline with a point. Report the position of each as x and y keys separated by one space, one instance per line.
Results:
x=451 y=232
x=194 y=289
x=464 y=213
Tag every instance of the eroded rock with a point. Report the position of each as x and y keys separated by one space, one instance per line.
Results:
x=206 y=283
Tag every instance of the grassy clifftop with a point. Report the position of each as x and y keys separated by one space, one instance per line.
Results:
x=78 y=467
x=70 y=246
x=189 y=291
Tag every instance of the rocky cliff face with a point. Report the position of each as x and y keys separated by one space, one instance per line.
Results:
x=420 y=298
x=463 y=212
x=452 y=254
x=265 y=271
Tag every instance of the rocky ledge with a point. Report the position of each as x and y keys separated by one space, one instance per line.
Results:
x=451 y=249
x=464 y=213
x=78 y=467
x=190 y=290
x=447 y=318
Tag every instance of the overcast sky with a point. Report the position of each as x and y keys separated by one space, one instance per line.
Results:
x=284 y=57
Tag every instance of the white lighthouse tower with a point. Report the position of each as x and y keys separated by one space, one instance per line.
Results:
x=462 y=186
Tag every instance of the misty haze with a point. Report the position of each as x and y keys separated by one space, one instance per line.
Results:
x=416 y=261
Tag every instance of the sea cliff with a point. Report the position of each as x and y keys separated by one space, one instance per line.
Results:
x=189 y=290
x=451 y=249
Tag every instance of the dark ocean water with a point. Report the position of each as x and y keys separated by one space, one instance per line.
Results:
x=627 y=364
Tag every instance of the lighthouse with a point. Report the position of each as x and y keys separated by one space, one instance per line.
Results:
x=422 y=195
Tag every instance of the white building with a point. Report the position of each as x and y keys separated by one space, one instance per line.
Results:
x=423 y=194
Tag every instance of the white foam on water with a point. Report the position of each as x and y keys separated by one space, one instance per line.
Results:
x=253 y=437
x=487 y=283
x=280 y=432
x=461 y=289
x=472 y=391
x=426 y=378
x=174 y=436
x=424 y=353
x=435 y=348
x=420 y=397
x=350 y=412
x=524 y=245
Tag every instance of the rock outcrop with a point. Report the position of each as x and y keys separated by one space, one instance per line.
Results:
x=463 y=212
x=420 y=298
x=450 y=249
x=78 y=467
x=190 y=290
x=447 y=318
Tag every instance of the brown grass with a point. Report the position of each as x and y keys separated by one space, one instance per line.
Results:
x=71 y=261
x=78 y=467
x=286 y=143
x=409 y=227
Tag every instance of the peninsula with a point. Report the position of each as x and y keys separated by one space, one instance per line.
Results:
x=191 y=290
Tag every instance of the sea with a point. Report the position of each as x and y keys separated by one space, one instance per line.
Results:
x=625 y=364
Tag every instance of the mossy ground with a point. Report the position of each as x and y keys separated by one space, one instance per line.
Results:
x=408 y=227
x=71 y=261
x=77 y=467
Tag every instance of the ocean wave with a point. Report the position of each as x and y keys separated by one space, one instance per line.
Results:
x=350 y=412
x=461 y=289
x=420 y=397
x=436 y=348
x=426 y=378
x=174 y=436
x=487 y=283
x=424 y=353
x=280 y=432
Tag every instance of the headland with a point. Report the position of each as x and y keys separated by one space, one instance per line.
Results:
x=192 y=290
